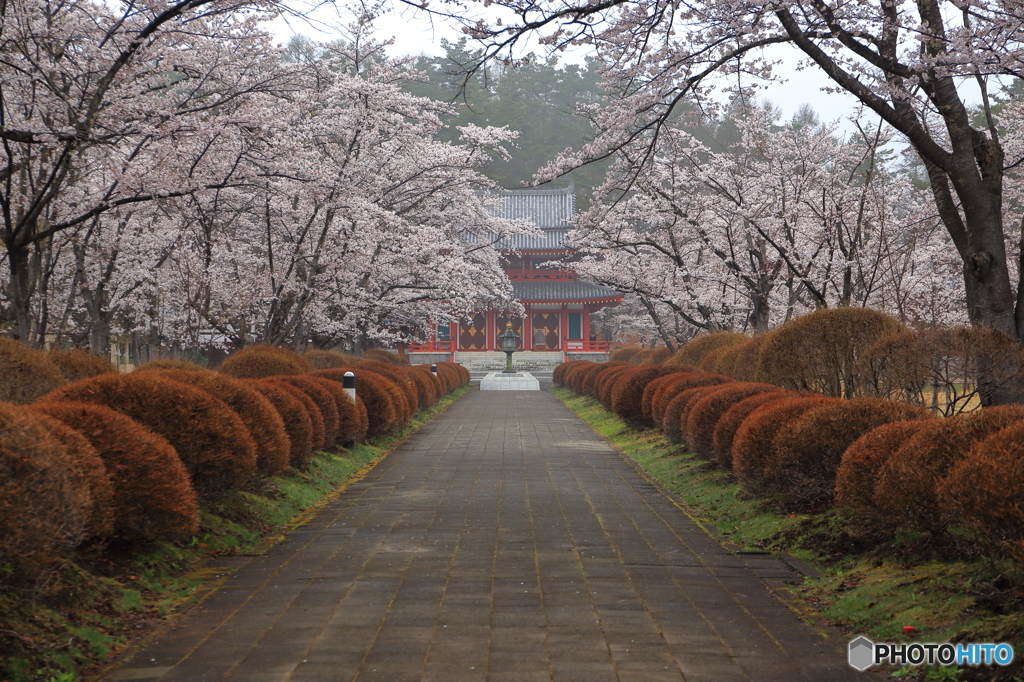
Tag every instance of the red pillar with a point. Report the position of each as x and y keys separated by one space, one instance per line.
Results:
x=490 y=329
x=585 y=326
x=527 y=329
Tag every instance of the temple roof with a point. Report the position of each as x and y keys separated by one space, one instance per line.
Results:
x=562 y=292
x=550 y=241
x=548 y=209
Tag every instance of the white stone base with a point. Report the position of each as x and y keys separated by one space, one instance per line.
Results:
x=520 y=381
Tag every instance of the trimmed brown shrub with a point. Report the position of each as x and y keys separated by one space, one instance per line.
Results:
x=624 y=354
x=153 y=497
x=381 y=355
x=212 y=442
x=729 y=423
x=378 y=399
x=261 y=361
x=589 y=385
x=316 y=418
x=426 y=389
x=748 y=354
x=257 y=413
x=574 y=377
x=710 y=361
x=673 y=422
x=696 y=350
x=170 y=364
x=558 y=374
x=627 y=396
x=298 y=424
x=907 y=487
x=324 y=400
x=25 y=374
x=725 y=360
x=328 y=359
x=436 y=386
x=808 y=451
x=610 y=380
x=447 y=373
x=76 y=363
x=43 y=504
x=685 y=381
x=88 y=471
x=606 y=375
x=949 y=370
x=704 y=415
x=753 y=446
x=461 y=373
x=400 y=377
x=352 y=422
x=984 y=490
x=653 y=356
x=821 y=352
x=652 y=388
x=858 y=470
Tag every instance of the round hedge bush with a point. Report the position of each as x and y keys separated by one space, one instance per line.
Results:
x=75 y=363
x=652 y=356
x=704 y=415
x=88 y=471
x=574 y=376
x=153 y=497
x=591 y=382
x=625 y=354
x=298 y=424
x=729 y=423
x=753 y=447
x=324 y=400
x=43 y=504
x=425 y=386
x=821 y=351
x=696 y=350
x=612 y=379
x=376 y=396
x=262 y=361
x=743 y=367
x=984 y=491
x=627 y=396
x=256 y=412
x=212 y=442
x=400 y=377
x=858 y=471
x=809 y=450
x=907 y=487
x=558 y=374
x=25 y=374
x=684 y=382
x=328 y=359
x=352 y=422
x=318 y=432
x=673 y=421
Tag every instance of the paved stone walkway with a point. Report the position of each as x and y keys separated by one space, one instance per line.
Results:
x=505 y=541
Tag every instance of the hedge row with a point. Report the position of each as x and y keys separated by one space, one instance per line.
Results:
x=891 y=463
x=857 y=352
x=102 y=455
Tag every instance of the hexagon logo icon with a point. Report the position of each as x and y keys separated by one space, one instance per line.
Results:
x=862 y=653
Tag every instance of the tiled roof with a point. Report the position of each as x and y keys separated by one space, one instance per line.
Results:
x=549 y=209
x=574 y=290
x=550 y=241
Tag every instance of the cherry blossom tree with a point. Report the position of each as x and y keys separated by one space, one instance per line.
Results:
x=105 y=107
x=351 y=220
x=787 y=219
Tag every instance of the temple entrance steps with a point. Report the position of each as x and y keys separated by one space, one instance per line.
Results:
x=523 y=361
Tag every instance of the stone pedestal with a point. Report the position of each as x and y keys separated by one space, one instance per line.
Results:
x=520 y=381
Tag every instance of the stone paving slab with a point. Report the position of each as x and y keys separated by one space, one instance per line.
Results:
x=504 y=541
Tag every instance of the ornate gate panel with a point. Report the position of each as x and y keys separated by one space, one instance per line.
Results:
x=499 y=326
x=545 y=331
x=473 y=336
